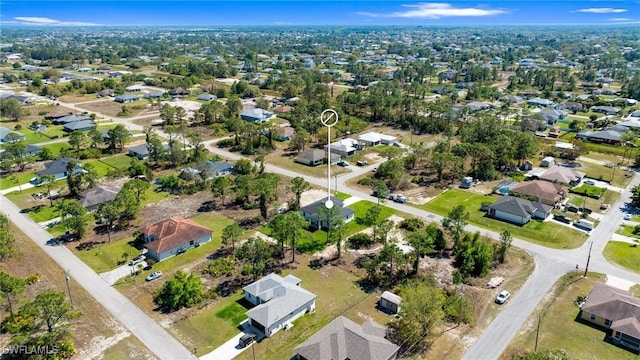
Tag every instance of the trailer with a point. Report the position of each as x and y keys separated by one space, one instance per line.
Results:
x=495 y=282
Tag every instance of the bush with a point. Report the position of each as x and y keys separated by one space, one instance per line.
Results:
x=359 y=240
x=367 y=181
x=412 y=224
x=18 y=127
x=225 y=143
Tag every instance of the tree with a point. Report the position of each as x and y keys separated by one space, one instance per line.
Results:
x=11 y=287
x=372 y=216
x=255 y=252
x=505 y=244
x=50 y=312
x=231 y=234
x=11 y=109
x=73 y=178
x=108 y=213
x=244 y=167
x=128 y=203
x=335 y=225
x=138 y=168
x=77 y=139
x=380 y=190
x=117 y=137
x=286 y=228
x=17 y=150
x=74 y=217
x=635 y=196
x=138 y=187
x=423 y=243
x=298 y=186
x=7 y=241
x=456 y=221
x=422 y=311
x=381 y=230
x=266 y=187
x=181 y=290
x=219 y=187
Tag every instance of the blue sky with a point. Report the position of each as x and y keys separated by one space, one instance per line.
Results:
x=307 y=12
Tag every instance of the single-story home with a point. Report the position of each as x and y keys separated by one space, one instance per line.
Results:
x=135 y=88
x=344 y=339
x=126 y=98
x=58 y=168
x=545 y=192
x=311 y=157
x=390 y=302
x=511 y=99
x=518 y=211
x=207 y=97
x=310 y=212
x=4 y=132
x=105 y=93
x=374 y=138
x=344 y=147
x=609 y=136
x=279 y=301
x=82 y=125
x=284 y=133
x=57 y=113
x=170 y=236
x=551 y=116
x=91 y=199
x=69 y=119
x=616 y=310
x=154 y=94
x=540 y=102
x=548 y=161
x=562 y=175
x=140 y=151
x=216 y=168
x=256 y=115
x=609 y=110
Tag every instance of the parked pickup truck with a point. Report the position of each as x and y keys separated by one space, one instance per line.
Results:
x=398 y=198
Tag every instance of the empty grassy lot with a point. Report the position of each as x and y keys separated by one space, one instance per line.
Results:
x=560 y=327
x=601 y=172
x=624 y=254
x=627 y=230
x=543 y=233
x=609 y=197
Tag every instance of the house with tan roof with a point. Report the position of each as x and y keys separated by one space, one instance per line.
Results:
x=562 y=175
x=343 y=339
x=172 y=236
x=616 y=310
x=542 y=191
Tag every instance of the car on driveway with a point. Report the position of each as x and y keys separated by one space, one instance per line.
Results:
x=502 y=297
x=589 y=182
x=137 y=260
x=154 y=275
x=53 y=242
x=343 y=163
x=246 y=339
x=627 y=217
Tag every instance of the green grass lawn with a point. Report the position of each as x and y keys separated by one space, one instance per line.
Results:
x=15 y=179
x=45 y=213
x=101 y=168
x=601 y=172
x=32 y=137
x=56 y=147
x=624 y=254
x=555 y=235
x=561 y=329
x=627 y=230
x=609 y=197
x=107 y=257
x=119 y=161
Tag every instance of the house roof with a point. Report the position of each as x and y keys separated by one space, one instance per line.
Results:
x=173 y=232
x=57 y=166
x=391 y=297
x=70 y=119
x=283 y=109
x=283 y=297
x=80 y=125
x=4 y=132
x=98 y=195
x=519 y=207
x=286 y=131
x=616 y=305
x=215 y=167
x=610 y=135
x=257 y=113
x=313 y=155
x=542 y=189
x=206 y=96
x=127 y=97
x=344 y=145
x=344 y=339
x=561 y=174
x=57 y=113
x=312 y=209
x=376 y=137
x=263 y=288
x=140 y=149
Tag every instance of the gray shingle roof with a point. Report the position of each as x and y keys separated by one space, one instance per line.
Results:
x=616 y=305
x=519 y=207
x=344 y=339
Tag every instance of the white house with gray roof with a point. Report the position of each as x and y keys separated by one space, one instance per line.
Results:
x=279 y=301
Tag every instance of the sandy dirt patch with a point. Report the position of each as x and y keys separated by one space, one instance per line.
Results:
x=311 y=196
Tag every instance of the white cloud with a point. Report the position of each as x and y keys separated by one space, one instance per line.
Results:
x=620 y=19
x=437 y=11
x=602 y=10
x=34 y=20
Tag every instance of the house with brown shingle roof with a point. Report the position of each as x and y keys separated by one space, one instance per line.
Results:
x=614 y=309
x=562 y=175
x=57 y=113
x=343 y=339
x=172 y=236
x=542 y=191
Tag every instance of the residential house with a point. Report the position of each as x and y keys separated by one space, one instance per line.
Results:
x=91 y=199
x=82 y=125
x=542 y=191
x=207 y=97
x=57 y=113
x=513 y=99
x=344 y=147
x=171 y=236
x=58 y=168
x=311 y=212
x=279 y=301
x=69 y=119
x=609 y=136
x=374 y=138
x=447 y=74
x=542 y=103
x=216 y=168
x=126 y=98
x=633 y=122
x=284 y=133
x=140 y=151
x=562 y=175
x=4 y=132
x=517 y=210
x=616 y=310
x=343 y=339
x=256 y=115
x=105 y=93
x=390 y=302
x=608 y=110
x=135 y=88
x=154 y=94
x=572 y=106
x=548 y=161
x=178 y=92
x=282 y=109
x=551 y=116
x=311 y=157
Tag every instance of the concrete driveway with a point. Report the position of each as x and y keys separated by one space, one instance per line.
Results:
x=112 y=277
x=229 y=349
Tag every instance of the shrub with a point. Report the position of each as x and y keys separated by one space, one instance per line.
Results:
x=412 y=224
x=225 y=143
x=367 y=181
x=359 y=240
x=18 y=127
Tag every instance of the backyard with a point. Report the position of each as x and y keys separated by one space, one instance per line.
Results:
x=557 y=236
x=560 y=327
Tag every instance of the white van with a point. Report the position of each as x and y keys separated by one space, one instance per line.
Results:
x=584 y=224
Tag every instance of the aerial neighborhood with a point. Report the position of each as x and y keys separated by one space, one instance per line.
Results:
x=173 y=193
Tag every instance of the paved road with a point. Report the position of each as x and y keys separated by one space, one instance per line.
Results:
x=152 y=335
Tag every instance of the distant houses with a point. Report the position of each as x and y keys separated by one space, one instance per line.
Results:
x=315 y=157
x=374 y=138
x=4 y=132
x=256 y=115
x=126 y=98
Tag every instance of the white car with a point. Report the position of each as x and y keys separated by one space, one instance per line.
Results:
x=627 y=217
x=589 y=182
x=502 y=297
x=137 y=260
x=154 y=275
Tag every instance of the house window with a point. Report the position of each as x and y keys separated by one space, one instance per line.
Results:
x=593 y=317
x=607 y=322
x=191 y=242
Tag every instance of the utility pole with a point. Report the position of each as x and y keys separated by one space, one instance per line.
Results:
x=586 y=268
x=67 y=278
x=537 y=333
